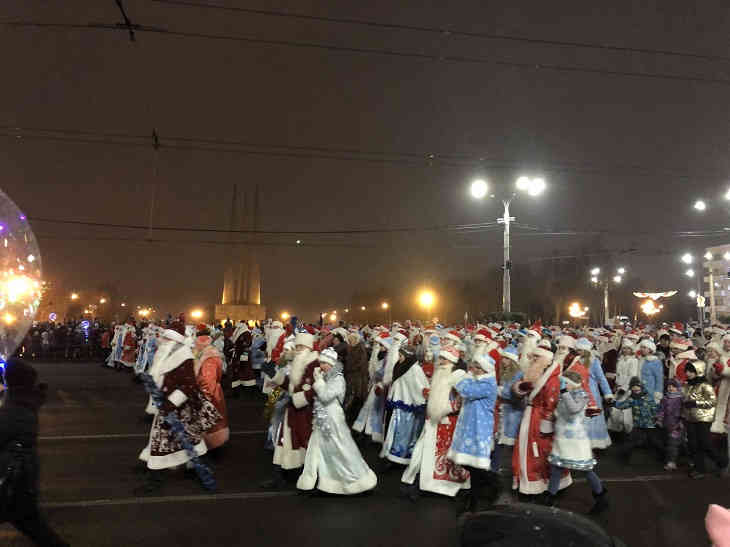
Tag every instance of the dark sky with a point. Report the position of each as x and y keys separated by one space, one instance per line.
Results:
x=648 y=146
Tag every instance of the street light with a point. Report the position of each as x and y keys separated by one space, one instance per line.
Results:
x=727 y=194
x=617 y=278
x=426 y=300
x=577 y=311
x=102 y=301
x=284 y=316
x=690 y=273
x=196 y=314
x=692 y=294
x=384 y=305
x=533 y=186
x=700 y=205
x=687 y=258
x=74 y=296
x=363 y=308
x=708 y=255
x=479 y=188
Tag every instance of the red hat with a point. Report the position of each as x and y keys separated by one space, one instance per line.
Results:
x=449 y=353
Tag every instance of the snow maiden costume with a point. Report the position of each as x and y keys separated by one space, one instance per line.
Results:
x=333 y=462
x=407 y=407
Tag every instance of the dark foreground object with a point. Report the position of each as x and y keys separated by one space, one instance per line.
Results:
x=527 y=525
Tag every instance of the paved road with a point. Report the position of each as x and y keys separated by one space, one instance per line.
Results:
x=91 y=435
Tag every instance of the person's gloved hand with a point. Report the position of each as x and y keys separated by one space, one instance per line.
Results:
x=690 y=404
x=426 y=391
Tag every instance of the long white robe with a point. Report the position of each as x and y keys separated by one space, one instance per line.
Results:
x=333 y=462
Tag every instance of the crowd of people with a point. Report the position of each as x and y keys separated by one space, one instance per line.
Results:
x=445 y=405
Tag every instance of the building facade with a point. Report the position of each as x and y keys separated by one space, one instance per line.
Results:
x=716 y=281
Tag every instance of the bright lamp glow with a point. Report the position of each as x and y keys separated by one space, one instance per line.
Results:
x=708 y=255
x=726 y=256
x=523 y=183
x=700 y=205
x=577 y=311
x=594 y=279
x=284 y=316
x=196 y=314
x=687 y=258
x=621 y=271
x=479 y=188
x=333 y=317
x=362 y=308
x=617 y=279
x=384 y=305
x=727 y=194
x=692 y=294
x=102 y=301
x=74 y=296
x=595 y=271
x=536 y=187
x=690 y=273
x=426 y=299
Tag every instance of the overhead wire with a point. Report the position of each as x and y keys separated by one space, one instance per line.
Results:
x=446 y=31
x=461 y=59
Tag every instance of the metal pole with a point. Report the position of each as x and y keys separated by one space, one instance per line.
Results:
x=605 y=304
x=700 y=309
x=713 y=313
x=506 y=294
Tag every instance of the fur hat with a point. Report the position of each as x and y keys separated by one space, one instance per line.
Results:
x=583 y=344
x=449 y=353
x=328 y=356
x=648 y=344
x=485 y=362
x=304 y=339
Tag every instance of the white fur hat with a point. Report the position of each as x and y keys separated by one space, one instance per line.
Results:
x=328 y=356
x=583 y=344
x=304 y=339
x=646 y=343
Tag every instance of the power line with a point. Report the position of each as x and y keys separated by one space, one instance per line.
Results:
x=449 y=32
x=399 y=158
x=462 y=59
x=266 y=232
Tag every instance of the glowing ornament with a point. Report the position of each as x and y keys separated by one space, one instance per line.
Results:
x=20 y=276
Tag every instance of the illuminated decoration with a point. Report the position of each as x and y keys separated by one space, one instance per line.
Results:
x=692 y=294
x=650 y=308
x=144 y=312
x=52 y=316
x=577 y=311
x=251 y=323
x=384 y=305
x=479 y=188
x=85 y=324
x=102 y=300
x=20 y=276
x=124 y=304
x=655 y=295
x=363 y=308
x=347 y=310
x=196 y=314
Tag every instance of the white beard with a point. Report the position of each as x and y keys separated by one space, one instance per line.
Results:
x=439 y=404
x=299 y=365
x=164 y=349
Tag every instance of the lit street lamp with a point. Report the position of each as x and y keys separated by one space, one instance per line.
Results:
x=532 y=187
x=74 y=296
x=687 y=258
x=700 y=205
x=196 y=314
x=284 y=316
x=596 y=280
x=426 y=299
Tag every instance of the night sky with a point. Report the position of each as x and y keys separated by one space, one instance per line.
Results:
x=621 y=154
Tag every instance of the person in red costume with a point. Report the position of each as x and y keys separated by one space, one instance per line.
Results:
x=541 y=390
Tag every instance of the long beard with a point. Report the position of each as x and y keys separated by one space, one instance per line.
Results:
x=439 y=404
x=163 y=352
x=298 y=366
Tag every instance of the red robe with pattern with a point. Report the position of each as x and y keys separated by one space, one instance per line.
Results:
x=530 y=468
x=293 y=437
x=429 y=461
x=129 y=348
x=242 y=373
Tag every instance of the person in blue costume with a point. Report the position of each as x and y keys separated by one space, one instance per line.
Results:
x=471 y=445
x=596 y=427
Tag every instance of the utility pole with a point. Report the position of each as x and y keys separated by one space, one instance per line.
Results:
x=507 y=266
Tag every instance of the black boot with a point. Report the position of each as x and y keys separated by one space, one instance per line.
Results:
x=152 y=484
x=492 y=488
x=277 y=482
x=547 y=499
x=410 y=491
x=601 y=503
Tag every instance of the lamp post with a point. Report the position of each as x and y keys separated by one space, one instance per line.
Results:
x=605 y=282
x=688 y=259
x=533 y=187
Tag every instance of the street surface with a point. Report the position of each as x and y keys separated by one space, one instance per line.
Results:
x=92 y=432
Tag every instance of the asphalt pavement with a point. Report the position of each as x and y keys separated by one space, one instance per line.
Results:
x=92 y=431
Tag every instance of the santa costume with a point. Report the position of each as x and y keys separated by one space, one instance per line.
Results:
x=242 y=374
x=541 y=391
x=333 y=463
x=722 y=372
x=296 y=428
x=370 y=420
x=208 y=372
x=430 y=461
x=174 y=374
x=129 y=346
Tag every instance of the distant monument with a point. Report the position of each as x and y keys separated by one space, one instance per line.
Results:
x=242 y=276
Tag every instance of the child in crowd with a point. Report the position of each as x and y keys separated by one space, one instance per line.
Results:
x=699 y=412
x=571 y=445
x=643 y=412
x=669 y=418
